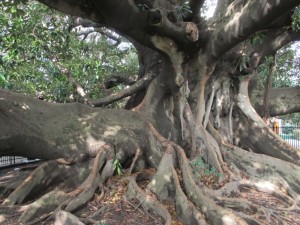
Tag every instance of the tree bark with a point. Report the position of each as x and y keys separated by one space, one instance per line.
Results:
x=282 y=101
x=214 y=157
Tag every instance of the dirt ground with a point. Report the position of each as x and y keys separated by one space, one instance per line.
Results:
x=112 y=208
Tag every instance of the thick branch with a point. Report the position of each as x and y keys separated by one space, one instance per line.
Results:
x=116 y=80
x=130 y=20
x=142 y=83
x=180 y=32
x=253 y=17
x=37 y=129
x=272 y=41
x=81 y=8
x=282 y=101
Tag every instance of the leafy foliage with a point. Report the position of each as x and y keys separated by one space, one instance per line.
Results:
x=296 y=19
x=287 y=69
x=183 y=9
x=34 y=39
x=287 y=73
x=117 y=166
x=204 y=169
x=257 y=38
x=293 y=118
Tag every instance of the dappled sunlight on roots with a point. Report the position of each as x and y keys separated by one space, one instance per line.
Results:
x=2 y=218
x=228 y=220
x=24 y=106
x=256 y=165
x=93 y=144
x=266 y=185
x=111 y=131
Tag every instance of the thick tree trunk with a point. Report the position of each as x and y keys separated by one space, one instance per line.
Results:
x=82 y=142
x=214 y=158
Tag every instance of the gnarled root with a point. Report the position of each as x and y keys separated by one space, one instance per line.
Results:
x=63 y=218
x=71 y=201
x=251 y=200
x=47 y=174
x=265 y=190
x=214 y=213
x=166 y=185
x=149 y=203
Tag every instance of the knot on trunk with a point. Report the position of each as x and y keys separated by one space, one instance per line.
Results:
x=192 y=31
x=155 y=17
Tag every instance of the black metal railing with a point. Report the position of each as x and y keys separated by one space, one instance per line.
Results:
x=14 y=160
x=289 y=132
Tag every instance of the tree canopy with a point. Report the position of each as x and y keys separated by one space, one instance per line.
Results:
x=37 y=42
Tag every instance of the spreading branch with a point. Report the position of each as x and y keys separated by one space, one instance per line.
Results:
x=141 y=84
x=282 y=101
x=253 y=17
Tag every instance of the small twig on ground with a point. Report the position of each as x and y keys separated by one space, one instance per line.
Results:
x=99 y=211
x=141 y=211
x=41 y=219
x=139 y=204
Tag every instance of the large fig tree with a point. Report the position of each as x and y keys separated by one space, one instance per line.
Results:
x=190 y=106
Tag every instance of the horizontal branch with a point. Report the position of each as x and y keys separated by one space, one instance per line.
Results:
x=130 y=19
x=38 y=129
x=142 y=83
x=282 y=101
x=117 y=80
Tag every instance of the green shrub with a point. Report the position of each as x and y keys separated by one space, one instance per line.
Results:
x=296 y=134
x=287 y=136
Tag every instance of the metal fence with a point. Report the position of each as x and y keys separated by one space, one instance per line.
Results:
x=291 y=134
x=13 y=160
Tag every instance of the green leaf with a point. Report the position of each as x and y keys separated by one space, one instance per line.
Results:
x=2 y=78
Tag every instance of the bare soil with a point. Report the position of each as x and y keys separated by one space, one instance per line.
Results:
x=111 y=209
x=114 y=208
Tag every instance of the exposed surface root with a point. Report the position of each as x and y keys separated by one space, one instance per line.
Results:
x=43 y=207
x=230 y=205
x=199 y=197
x=263 y=190
x=149 y=203
x=268 y=190
x=64 y=218
x=162 y=182
x=214 y=213
x=40 y=179
x=185 y=209
x=70 y=201
x=87 y=189
x=266 y=168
